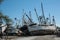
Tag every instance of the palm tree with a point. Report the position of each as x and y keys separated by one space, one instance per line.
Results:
x=6 y=19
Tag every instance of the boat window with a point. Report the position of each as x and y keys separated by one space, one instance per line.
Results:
x=43 y=25
x=32 y=24
x=51 y=24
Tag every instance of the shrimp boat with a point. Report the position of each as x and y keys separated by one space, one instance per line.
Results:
x=2 y=28
x=45 y=26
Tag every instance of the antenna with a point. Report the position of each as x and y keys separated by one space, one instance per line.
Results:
x=53 y=20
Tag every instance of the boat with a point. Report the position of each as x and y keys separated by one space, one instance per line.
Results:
x=45 y=26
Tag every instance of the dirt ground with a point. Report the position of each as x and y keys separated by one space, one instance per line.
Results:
x=45 y=37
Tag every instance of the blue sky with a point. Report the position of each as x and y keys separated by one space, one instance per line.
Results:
x=13 y=8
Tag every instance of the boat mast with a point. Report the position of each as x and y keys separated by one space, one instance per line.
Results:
x=30 y=15
x=23 y=19
x=43 y=16
x=37 y=15
x=49 y=18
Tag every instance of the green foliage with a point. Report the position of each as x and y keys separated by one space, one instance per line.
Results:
x=5 y=18
x=1 y=15
x=1 y=1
